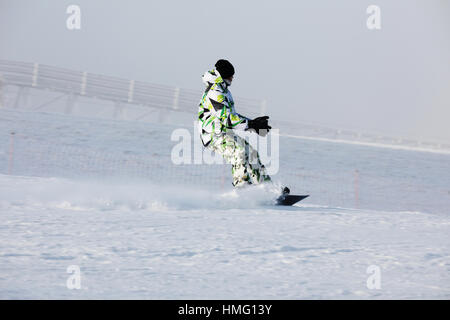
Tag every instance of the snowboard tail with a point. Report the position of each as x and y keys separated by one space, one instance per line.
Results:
x=290 y=199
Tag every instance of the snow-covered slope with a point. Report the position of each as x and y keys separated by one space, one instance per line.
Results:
x=138 y=241
x=103 y=195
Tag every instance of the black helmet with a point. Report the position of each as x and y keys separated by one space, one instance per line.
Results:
x=225 y=68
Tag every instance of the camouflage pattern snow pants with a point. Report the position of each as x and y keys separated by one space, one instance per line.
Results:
x=246 y=165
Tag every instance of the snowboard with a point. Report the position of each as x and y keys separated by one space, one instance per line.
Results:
x=289 y=199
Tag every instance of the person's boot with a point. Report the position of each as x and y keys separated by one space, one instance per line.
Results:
x=283 y=195
x=285 y=191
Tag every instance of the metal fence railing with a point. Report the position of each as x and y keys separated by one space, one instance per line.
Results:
x=128 y=93
x=92 y=85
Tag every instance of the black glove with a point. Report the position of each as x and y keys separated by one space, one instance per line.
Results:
x=260 y=123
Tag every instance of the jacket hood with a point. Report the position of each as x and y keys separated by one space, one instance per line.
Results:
x=212 y=77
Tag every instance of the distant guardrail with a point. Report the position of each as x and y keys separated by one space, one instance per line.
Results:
x=122 y=91
x=41 y=76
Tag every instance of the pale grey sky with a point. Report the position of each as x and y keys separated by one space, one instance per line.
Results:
x=314 y=61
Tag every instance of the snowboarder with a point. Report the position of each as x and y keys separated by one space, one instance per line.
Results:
x=218 y=120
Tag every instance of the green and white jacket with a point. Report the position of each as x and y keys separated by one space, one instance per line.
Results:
x=216 y=113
